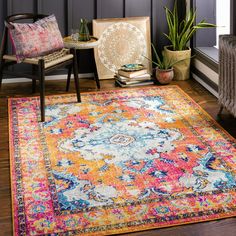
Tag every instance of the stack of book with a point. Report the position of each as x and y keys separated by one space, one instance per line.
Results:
x=133 y=78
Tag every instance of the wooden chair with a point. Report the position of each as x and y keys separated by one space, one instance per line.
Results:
x=40 y=65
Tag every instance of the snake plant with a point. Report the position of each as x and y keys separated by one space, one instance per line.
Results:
x=162 y=63
x=181 y=32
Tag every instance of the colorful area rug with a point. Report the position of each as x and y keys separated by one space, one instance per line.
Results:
x=121 y=161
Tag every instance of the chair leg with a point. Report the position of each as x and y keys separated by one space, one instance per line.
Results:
x=1 y=71
x=42 y=89
x=3 y=48
x=68 y=78
x=34 y=81
x=76 y=78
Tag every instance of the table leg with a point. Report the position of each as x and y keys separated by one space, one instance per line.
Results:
x=95 y=72
x=68 y=79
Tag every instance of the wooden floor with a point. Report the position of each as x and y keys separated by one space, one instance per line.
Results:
x=226 y=227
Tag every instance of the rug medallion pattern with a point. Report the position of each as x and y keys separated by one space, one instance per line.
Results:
x=120 y=161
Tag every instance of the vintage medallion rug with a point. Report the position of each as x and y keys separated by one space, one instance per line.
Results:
x=120 y=161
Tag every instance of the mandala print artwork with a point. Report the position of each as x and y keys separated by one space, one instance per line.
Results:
x=120 y=161
x=122 y=41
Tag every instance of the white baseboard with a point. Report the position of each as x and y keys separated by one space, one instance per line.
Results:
x=207 y=71
x=50 y=77
x=204 y=84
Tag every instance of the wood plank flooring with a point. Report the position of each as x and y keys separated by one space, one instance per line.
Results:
x=225 y=227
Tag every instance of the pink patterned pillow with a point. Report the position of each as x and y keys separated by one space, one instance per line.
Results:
x=36 y=39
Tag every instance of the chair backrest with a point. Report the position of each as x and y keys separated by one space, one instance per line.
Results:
x=24 y=16
x=12 y=18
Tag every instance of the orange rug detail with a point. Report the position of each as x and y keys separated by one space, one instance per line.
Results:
x=120 y=161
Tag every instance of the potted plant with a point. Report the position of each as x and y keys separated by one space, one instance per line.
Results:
x=179 y=35
x=164 y=67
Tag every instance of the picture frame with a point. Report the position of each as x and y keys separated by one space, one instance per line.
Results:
x=121 y=41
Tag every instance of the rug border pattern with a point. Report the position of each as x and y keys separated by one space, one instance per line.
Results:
x=221 y=213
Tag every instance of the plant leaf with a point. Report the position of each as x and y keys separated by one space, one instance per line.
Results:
x=180 y=33
x=156 y=55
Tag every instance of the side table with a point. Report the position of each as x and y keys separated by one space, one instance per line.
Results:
x=82 y=45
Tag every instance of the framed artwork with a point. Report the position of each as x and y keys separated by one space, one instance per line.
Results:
x=121 y=41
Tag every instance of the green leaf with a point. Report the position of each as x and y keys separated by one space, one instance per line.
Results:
x=153 y=61
x=180 y=33
x=156 y=55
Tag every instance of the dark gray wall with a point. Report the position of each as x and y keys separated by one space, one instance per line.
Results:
x=206 y=10
x=69 y=12
x=2 y=15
